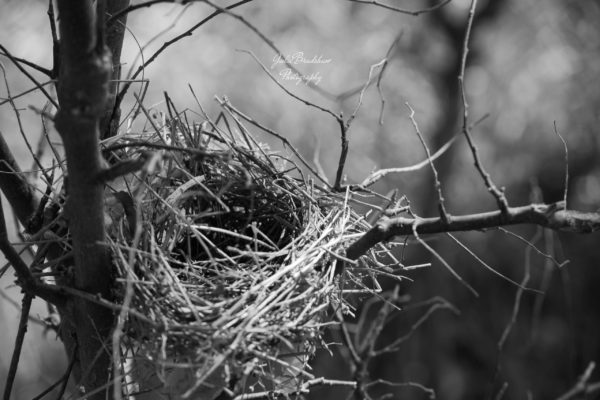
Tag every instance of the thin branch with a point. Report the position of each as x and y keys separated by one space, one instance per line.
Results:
x=272 y=45
x=515 y=313
x=497 y=193
x=501 y=392
x=486 y=265
x=30 y=64
x=441 y=206
x=113 y=18
x=63 y=379
x=339 y=175
x=271 y=132
x=582 y=386
x=382 y=71
x=566 y=162
x=27 y=281
x=55 y=42
x=271 y=394
x=345 y=125
x=20 y=124
x=317 y=159
x=365 y=86
x=553 y=216
x=28 y=75
x=440 y=258
x=518 y=297
x=402 y=10
x=18 y=347
x=306 y=102
x=546 y=255
x=14 y=185
x=33 y=89
x=167 y=44
x=430 y=392
x=379 y=174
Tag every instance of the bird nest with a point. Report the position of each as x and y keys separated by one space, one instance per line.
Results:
x=228 y=273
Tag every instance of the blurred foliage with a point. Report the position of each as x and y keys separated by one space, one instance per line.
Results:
x=532 y=64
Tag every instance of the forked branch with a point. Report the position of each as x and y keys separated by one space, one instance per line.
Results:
x=553 y=216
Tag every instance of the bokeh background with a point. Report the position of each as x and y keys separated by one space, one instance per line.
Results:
x=532 y=64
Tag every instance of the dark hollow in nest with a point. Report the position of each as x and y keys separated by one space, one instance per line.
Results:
x=238 y=199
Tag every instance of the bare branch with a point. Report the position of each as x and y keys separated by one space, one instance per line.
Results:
x=30 y=64
x=28 y=282
x=528 y=243
x=582 y=387
x=14 y=362
x=20 y=124
x=442 y=208
x=553 y=216
x=339 y=175
x=113 y=35
x=566 y=163
x=62 y=380
x=167 y=44
x=441 y=259
x=429 y=391
x=402 y=10
x=306 y=102
x=33 y=89
x=271 y=132
x=270 y=394
x=486 y=265
x=28 y=75
x=379 y=174
x=122 y=12
x=55 y=42
x=497 y=193
x=15 y=187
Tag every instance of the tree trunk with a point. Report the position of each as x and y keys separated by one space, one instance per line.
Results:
x=83 y=84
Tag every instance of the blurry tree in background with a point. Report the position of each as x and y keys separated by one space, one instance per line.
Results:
x=529 y=74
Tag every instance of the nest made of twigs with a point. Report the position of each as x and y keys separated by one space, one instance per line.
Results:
x=231 y=271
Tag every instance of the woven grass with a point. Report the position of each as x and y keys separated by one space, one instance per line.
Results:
x=230 y=278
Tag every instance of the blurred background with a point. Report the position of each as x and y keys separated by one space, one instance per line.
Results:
x=532 y=64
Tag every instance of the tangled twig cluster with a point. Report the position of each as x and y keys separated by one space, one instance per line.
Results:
x=231 y=270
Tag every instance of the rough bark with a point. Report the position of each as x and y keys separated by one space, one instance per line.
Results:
x=83 y=88
x=552 y=216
